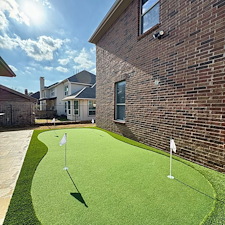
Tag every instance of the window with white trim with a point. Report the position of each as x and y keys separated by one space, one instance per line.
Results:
x=76 y=108
x=149 y=14
x=92 y=108
x=120 y=90
x=69 y=108
x=52 y=92
x=66 y=90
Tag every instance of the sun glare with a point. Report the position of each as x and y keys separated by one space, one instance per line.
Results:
x=34 y=11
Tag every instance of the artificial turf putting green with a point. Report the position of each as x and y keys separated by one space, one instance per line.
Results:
x=118 y=184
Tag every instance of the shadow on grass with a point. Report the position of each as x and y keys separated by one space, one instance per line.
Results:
x=187 y=185
x=77 y=195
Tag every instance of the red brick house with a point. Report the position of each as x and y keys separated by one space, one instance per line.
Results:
x=160 y=74
x=16 y=109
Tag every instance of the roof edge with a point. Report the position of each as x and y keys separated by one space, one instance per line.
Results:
x=18 y=93
x=6 y=67
x=115 y=11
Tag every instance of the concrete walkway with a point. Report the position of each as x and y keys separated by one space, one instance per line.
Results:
x=13 y=147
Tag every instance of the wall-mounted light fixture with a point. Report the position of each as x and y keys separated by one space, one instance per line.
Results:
x=158 y=34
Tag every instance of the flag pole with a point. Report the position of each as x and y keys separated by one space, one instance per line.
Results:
x=170 y=176
x=65 y=168
x=172 y=148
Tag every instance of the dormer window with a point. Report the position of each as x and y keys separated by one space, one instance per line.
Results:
x=149 y=14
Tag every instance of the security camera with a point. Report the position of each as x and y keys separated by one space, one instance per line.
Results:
x=158 y=34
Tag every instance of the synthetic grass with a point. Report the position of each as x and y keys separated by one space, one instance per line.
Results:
x=118 y=184
x=21 y=209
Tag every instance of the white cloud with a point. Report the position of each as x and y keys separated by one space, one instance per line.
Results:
x=93 y=50
x=84 y=60
x=63 y=61
x=93 y=71
x=41 y=49
x=14 y=12
x=13 y=68
x=62 y=69
x=30 y=68
x=7 y=42
x=3 y=21
x=71 y=53
x=49 y=68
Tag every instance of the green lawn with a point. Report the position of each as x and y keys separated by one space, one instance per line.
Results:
x=111 y=182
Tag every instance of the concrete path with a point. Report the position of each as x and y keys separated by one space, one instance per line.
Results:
x=13 y=147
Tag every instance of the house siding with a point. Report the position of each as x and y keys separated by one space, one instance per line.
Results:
x=188 y=104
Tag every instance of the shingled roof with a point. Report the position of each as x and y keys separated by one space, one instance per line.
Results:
x=83 y=77
x=85 y=93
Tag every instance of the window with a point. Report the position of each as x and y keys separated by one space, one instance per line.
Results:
x=120 y=100
x=149 y=14
x=65 y=108
x=92 y=108
x=76 y=108
x=69 y=109
x=52 y=92
x=66 y=89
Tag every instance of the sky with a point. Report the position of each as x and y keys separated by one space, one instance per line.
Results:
x=48 y=38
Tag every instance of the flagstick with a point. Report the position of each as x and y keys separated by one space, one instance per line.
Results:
x=170 y=176
x=65 y=168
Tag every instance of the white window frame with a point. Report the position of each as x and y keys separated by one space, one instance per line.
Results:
x=66 y=107
x=69 y=108
x=93 y=109
x=52 y=92
x=74 y=110
x=66 y=90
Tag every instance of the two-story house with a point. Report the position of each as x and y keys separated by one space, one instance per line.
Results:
x=73 y=97
x=160 y=74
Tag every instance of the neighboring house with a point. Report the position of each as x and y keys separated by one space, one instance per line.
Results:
x=16 y=109
x=160 y=74
x=36 y=95
x=73 y=97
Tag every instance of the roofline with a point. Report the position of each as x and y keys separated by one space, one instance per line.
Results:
x=6 y=67
x=67 y=80
x=115 y=11
x=74 y=98
x=18 y=93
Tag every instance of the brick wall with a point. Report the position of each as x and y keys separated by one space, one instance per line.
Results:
x=189 y=101
x=17 y=113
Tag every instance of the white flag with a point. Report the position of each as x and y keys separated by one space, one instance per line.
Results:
x=93 y=121
x=63 y=140
x=173 y=145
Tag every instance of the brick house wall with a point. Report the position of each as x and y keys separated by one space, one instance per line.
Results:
x=18 y=109
x=188 y=103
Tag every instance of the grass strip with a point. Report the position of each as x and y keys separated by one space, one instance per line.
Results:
x=21 y=208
